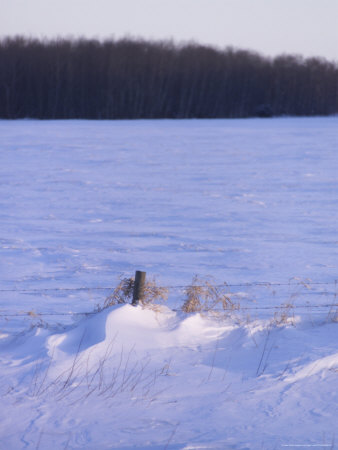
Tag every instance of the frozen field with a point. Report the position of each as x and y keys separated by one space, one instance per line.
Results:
x=240 y=200
x=252 y=203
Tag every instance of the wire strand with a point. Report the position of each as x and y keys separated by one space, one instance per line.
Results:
x=34 y=314
x=106 y=288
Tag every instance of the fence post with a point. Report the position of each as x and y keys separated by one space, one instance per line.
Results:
x=140 y=278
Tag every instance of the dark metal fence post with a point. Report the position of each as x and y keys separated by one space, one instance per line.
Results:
x=140 y=278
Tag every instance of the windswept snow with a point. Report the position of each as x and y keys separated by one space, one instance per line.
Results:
x=241 y=200
x=244 y=201
x=134 y=377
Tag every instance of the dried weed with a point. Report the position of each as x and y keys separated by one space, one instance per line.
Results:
x=123 y=293
x=204 y=296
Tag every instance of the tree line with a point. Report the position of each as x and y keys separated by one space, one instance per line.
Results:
x=132 y=79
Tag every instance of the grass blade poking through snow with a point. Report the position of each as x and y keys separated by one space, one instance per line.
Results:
x=123 y=293
x=204 y=296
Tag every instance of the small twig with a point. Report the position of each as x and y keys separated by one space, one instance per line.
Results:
x=172 y=435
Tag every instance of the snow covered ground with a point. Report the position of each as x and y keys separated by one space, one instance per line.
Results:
x=252 y=203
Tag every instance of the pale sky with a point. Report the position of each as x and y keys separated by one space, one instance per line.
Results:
x=305 y=27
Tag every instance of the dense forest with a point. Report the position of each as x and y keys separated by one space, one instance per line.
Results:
x=129 y=79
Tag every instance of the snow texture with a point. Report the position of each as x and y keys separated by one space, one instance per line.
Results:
x=250 y=202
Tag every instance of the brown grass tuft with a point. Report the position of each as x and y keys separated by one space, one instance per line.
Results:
x=285 y=315
x=123 y=293
x=203 y=295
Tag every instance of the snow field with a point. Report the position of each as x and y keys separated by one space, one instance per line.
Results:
x=244 y=201
x=133 y=377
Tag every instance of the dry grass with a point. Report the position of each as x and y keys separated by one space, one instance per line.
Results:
x=285 y=315
x=103 y=378
x=332 y=315
x=154 y=293
x=203 y=296
x=123 y=293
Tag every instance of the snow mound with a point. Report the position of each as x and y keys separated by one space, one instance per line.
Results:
x=319 y=365
x=137 y=329
x=134 y=377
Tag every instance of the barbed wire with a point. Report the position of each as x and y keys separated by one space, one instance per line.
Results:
x=291 y=283
x=263 y=283
x=33 y=291
x=33 y=314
